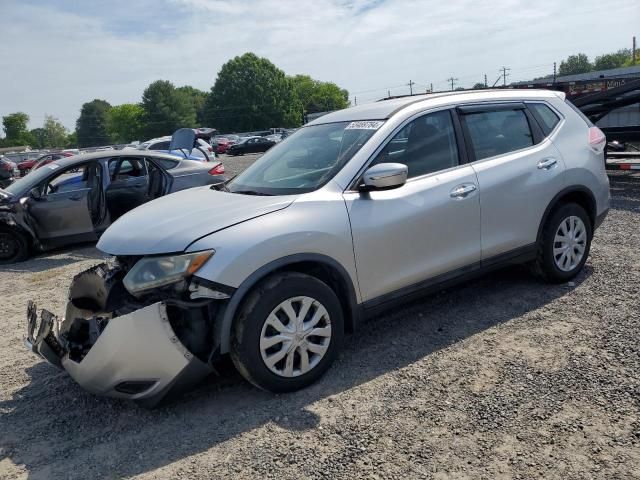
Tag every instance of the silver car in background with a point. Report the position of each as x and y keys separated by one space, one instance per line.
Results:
x=356 y=212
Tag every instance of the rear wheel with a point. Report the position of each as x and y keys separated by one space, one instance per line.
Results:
x=288 y=332
x=14 y=247
x=564 y=245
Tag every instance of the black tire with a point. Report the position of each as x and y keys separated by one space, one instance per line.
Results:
x=545 y=266
x=14 y=246
x=248 y=325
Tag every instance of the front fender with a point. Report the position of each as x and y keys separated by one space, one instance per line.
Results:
x=308 y=231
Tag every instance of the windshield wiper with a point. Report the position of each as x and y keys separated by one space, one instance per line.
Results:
x=252 y=192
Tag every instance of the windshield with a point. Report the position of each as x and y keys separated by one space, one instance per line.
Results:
x=26 y=183
x=306 y=160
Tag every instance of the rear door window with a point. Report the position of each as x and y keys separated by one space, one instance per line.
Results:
x=498 y=132
x=126 y=168
x=545 y=116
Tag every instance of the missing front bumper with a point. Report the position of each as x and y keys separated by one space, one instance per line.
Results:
x=136 y=356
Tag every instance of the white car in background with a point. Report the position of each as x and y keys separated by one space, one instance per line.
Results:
x=203 y=150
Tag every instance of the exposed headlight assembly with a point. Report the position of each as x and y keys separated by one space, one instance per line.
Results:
x=153 y=272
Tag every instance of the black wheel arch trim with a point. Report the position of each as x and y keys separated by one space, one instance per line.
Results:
x=562 y=193
x=226 y=320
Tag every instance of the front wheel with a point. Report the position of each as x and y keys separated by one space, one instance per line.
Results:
x=564 y=244
x=288 y=332
x=14 y=247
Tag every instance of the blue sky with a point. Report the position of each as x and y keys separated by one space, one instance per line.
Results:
x=57 y=54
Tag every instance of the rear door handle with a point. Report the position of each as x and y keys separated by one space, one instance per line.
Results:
x=547 y=163
x=75 y=198
x=463 y=191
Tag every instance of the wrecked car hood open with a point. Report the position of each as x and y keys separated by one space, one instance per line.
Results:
x=171 y=223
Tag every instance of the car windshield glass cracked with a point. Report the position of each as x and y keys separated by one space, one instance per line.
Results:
x=305 y=161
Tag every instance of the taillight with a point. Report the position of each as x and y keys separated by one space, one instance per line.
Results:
x=597 y=139
x=217 y=170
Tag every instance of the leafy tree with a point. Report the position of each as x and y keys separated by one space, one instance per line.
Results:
x=16 y=131
x=575 y=64
x=197 y=99
x=316 y=96
x=91 y=126
x=72 y=140
x=55 y=133
x=38 y=135
x=479 y=85
x=166 y=109
x=612 y=60
x=251 y=93
x=124 y=122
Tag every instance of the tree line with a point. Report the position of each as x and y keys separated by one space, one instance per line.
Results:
x=249 y=93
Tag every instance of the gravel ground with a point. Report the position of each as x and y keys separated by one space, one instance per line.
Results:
x=503 y=377
x=234 y=165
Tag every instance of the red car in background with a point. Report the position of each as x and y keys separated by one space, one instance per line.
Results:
x=222 y=143
x=26 y=166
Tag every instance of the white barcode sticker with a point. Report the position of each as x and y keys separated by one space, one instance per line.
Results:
x=365 y=125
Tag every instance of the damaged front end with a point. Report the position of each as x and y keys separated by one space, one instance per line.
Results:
x=139 y=346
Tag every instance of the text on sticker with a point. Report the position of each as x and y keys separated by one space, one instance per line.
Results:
x=365 y=125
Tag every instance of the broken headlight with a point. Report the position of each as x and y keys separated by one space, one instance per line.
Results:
x=153 y=272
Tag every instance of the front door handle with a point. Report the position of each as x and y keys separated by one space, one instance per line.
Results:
x=463 y=191
x=547 y=163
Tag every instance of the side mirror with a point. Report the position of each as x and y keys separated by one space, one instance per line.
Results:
x=35 y=193
x=385 y=176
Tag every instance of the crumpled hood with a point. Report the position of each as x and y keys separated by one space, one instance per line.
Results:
x=170 y=223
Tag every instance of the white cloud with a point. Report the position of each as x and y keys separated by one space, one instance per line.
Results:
x=58 y=58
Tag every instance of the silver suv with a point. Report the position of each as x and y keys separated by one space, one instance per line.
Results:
x=354 y=213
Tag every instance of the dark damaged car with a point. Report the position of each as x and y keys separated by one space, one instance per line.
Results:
x=75 y=199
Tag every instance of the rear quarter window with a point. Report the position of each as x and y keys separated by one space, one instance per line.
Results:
x=166 y=163
x=545 y=116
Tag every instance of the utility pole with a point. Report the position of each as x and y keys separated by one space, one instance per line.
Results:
x=485 y=81
x=554 y=72
x=634 y=51
x=355 y=100
x=411 y=84
x=452 y=81
x=388 y=93
x=431 y=89
x=504 y=71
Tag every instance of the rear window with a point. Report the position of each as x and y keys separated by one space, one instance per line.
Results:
x=546 y=117
x=498 y=132
x=160 y=146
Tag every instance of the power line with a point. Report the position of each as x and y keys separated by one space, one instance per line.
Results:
x=452 y=80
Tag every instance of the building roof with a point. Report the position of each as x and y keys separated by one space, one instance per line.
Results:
x=631 y=72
